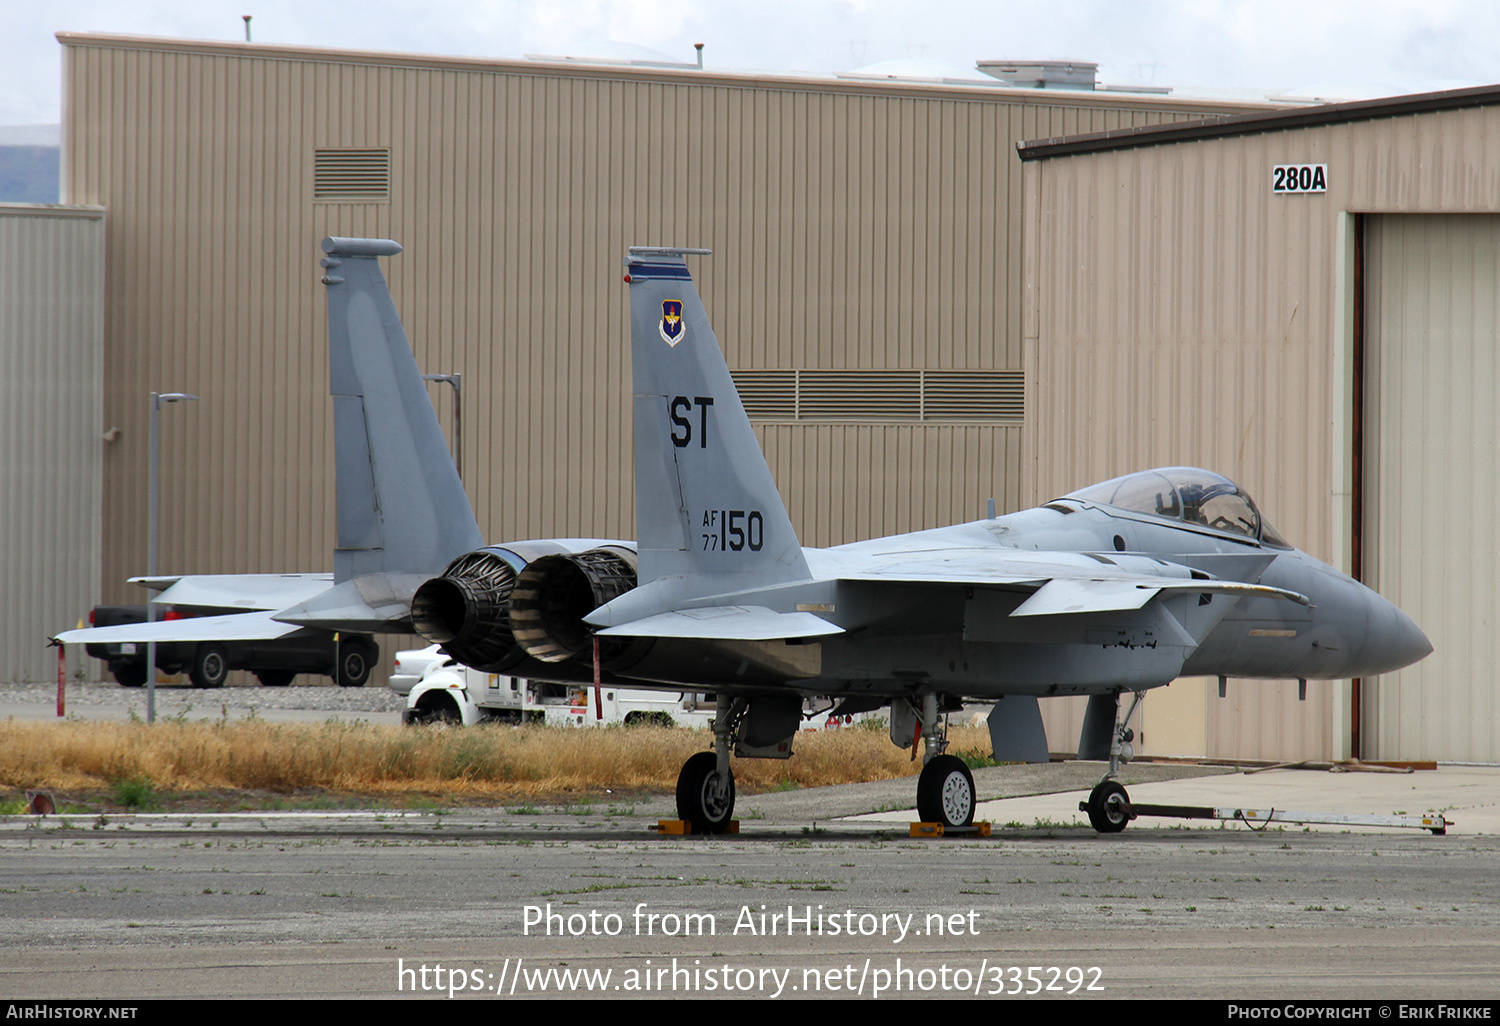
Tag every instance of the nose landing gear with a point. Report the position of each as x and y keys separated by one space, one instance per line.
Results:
x=1108 y=806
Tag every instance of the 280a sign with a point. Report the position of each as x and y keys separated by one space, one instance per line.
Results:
x=1288 y=178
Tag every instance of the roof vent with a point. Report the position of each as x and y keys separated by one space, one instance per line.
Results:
x=1042 y=74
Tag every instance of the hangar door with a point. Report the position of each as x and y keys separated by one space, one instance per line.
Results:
x=1432 y=478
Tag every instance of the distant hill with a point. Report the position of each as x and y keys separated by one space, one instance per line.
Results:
x=29 y=157
x=29 y=174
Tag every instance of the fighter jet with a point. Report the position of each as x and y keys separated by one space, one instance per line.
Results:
x=402 y=514
x=1120 y=587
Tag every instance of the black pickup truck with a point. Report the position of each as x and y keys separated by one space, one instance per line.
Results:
x=347 y=658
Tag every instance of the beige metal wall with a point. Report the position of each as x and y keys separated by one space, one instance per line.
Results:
x=1180 y=313
x=1432 y=341
x=51 y=351
x=856 y=226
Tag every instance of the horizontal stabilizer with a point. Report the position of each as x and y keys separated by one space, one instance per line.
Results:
x=372 y=604
x=727 y=623
x=257 y=626
x=239 y=591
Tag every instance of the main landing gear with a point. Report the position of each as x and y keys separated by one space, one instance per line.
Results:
x=945 y=790
x=705 y=794
x=705 y=787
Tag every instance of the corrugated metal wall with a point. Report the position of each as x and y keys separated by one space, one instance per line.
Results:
x=855 y=226
x=1183 y=314
x=51 y=351
x=1432 y=342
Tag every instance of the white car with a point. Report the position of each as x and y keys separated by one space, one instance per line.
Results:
x=411 y=665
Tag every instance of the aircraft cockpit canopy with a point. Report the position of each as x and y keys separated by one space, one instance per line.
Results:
x=1187 y=494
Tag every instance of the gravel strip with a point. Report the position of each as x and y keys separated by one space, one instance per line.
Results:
x=93 y=699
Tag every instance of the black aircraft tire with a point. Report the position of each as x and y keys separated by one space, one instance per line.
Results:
x=1107 y=802
x=702 y=798
x=274 y=678
x=945 y=792
x=210 y=666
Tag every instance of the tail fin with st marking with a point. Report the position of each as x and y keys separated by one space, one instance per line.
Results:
x=707 y=510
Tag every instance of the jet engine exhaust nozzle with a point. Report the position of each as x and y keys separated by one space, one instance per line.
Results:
x=553 y=595
x=467 y=611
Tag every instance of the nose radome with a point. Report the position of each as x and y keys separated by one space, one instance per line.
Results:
x=1395 y=639
x=1412 y=643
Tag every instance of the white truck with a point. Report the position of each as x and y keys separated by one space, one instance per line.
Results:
x=450 y=693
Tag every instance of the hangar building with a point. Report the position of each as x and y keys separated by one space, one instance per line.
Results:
x=1331 y=345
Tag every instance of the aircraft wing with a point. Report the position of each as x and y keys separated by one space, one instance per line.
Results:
x=256 y=626
x=1065 y=582
x=738 y=623
x=1060 y=583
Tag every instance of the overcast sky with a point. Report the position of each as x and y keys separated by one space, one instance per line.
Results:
x=1341 y=48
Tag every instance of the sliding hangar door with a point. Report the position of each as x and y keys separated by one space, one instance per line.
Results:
x=1432 y=477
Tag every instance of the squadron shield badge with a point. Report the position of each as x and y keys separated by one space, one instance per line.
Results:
x=671 y=326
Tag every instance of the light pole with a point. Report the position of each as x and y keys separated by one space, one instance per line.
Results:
x=455 y=379
x=157 y=399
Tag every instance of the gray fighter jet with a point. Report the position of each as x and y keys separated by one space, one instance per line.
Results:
x=1120 y=587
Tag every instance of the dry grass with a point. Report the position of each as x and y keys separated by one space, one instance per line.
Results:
x=364 y=759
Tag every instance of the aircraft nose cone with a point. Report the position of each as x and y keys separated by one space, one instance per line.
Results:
x=1395 y=640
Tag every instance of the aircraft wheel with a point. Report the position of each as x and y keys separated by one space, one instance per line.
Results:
x=210 y=666
x=945 y=792
x=275 y=678
x=705 y=797
x=1107 y=802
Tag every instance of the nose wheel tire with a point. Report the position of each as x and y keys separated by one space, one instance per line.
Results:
x=945 y=792
x=1108 y=807
x=705 y=797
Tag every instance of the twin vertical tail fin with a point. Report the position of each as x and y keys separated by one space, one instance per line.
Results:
x=401 y=506
x=707 y=510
